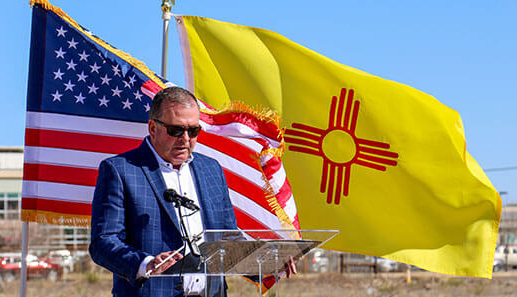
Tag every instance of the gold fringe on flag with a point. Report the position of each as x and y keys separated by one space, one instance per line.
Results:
x=284 y=219
x=54 y=218
x=123 y=55
x=260 y=112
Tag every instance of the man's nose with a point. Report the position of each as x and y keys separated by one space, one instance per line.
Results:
x=185 y=136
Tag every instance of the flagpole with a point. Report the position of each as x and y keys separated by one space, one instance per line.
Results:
x=166 y=16
x=23 y=275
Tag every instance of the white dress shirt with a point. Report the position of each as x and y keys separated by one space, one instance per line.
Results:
x=182 y=182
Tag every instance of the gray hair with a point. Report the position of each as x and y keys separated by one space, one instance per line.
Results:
x=175 y=95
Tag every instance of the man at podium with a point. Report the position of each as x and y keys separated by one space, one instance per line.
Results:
x=134 y=227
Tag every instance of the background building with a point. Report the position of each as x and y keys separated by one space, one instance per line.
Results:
x=508 y=225
x=41 y=236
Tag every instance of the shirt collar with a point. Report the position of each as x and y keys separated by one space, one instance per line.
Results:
x=161 y=161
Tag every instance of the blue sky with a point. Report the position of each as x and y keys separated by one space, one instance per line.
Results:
x=461 y=52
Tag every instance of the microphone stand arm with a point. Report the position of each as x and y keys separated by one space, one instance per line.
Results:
x=192 y=242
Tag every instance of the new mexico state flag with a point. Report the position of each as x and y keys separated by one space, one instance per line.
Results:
x=383 y=162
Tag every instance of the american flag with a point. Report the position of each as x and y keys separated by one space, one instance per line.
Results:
x=88 y=101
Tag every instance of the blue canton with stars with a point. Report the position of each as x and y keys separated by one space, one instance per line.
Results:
x=80 y=77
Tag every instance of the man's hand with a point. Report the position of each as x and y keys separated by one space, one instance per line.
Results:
x=290 y=268
x=159 y=259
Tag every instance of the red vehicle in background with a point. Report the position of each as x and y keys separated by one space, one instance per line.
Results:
x=63 y=258
x=11 y=264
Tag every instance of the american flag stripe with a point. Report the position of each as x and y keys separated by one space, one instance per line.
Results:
x=290 y=209
x=246 y=124
x=63 y=157
x=70 y=207
x=248 y=120
x=79 y=141
x=271 y=166
x=227 y=147
x=284 y=194
x=241 y=169
x=245 y=187
x=60 y=174
x=83 y=124
x=240 y=130
x=249 y=143
x=250 y=207
x=277 y=179
x=58 y=191
x=251 y=223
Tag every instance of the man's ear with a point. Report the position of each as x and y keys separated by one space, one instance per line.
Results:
x=151 y=126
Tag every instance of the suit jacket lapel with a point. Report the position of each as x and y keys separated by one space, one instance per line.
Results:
x=154 y=177
x=199 y=180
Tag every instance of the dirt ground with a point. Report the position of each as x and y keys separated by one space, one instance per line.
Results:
x=423 y=284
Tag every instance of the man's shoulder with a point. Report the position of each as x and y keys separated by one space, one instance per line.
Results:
x=206 y=164
x=137 y=156
x=201 y=158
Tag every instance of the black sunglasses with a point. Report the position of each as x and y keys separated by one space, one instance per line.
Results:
x=177 y=131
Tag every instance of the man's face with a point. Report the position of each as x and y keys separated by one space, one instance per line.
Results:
x=175 y=150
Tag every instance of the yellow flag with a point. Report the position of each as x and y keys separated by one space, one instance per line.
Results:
x=381 y=161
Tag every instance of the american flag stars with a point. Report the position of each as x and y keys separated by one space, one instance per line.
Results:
x=80 y=98
x=58 y=74
x=83 y=56
x=92 y=89
x=56 y=96
x=138 y=95
x=60 y=53
x=103 y=101
x=69 y=86
x=95 y=68
x=105 y=80
x=116 y=71
x=81 y=77
x=71 y=65
x=72 y=43
x=132 y=80
x=61 y=32
x=127 y=104
x=89 y=79
x=116 y=91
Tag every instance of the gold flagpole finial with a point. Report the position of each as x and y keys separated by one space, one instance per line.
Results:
x=167 y=5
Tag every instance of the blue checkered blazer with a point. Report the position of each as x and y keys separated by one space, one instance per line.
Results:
x=131 y=220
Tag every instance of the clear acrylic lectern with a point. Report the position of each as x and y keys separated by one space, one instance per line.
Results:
x=249 y=252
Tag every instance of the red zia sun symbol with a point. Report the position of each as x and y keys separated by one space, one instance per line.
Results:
x=341 y=130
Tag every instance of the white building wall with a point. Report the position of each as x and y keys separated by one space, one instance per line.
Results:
x=11 y=174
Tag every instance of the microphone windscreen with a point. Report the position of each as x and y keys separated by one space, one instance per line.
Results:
x=170 y=195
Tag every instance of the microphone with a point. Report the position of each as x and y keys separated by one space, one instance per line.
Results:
x=171 y=195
